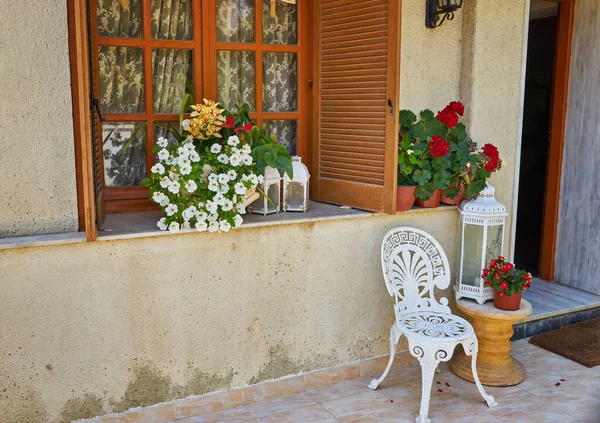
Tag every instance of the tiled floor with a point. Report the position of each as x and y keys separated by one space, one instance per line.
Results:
x=556 y=390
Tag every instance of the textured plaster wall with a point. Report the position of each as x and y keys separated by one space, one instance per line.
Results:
x=430 y=60
x=140 y=321
x=37 y=163
x=493 y=57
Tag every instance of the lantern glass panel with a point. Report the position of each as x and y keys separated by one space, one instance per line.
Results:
x=494 y=242
x=473 y=251
x=273 y=194
x=295 y=195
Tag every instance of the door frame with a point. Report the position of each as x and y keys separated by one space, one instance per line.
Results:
x=560 y=97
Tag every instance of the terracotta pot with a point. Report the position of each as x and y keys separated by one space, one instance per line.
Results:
x=405 y=197
x=507 y=302
x=432 y=202
x=455 y=201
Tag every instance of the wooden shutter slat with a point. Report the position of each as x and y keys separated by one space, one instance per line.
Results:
x=357 y=46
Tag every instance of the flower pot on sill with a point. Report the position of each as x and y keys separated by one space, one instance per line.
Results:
x=454 y=201
x=405 y=197
x=432 y=202
x=507 y=302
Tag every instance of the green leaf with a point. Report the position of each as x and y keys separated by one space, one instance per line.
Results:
x=475 y=187
x=422 y=176
x=146 y=182
x=427 y=114
x=406 y=141
x=424 y=192
x=187 y=99
x=407 y=119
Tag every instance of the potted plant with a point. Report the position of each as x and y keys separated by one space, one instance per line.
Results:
x=207 y=174
x=507 y=282
x=405 y=198
x=427 y=165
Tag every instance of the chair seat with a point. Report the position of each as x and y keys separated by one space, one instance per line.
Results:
x=429 y=324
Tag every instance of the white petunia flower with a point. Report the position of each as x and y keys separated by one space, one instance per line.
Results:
x=261 y=179
x=233 y=140
x=174 y=187
x=213 y=186
x=183 y=161
x=213 y=177
x=189 y=148
x=162 y=224
x=163 y=154
x=223 y=158
x=240 y=188
x=227 y=205
x=232 y=174
x=191 y=186
x=162 y=142
x=165 y=182
x=200 y=204
x=410 y=151
x=195 y=157
x=186 y=225
x=247 y=159
x=236 y=150
x=174 y=227
x=201 y=226
x=223 y=178
x=223 y=189
x=212 y=217
x=241 y=209
x=171 y=209
x=211 y=207
x=246 y=149
x=213 y=226
x=157 y=196
x=202 y=216
x=235 y=159
x=170 y=160
x=186 y=169
x=237 y=220
x=174 y=176
x=219 y=199
x=185 y=125
x=158 y=168
x=225 y=226
x=215 y=148
x=188 y=213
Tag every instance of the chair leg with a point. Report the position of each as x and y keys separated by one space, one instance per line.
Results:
x=471 y=348
x=428 y=368
x=394 y=338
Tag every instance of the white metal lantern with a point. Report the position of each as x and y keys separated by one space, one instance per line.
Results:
x=482 y=238
x=272 y=187
x=295 y=191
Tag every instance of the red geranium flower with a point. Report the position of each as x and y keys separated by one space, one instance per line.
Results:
x=438 y=147
x=448 y=117
x=246 y=128
x=457 y=107
x=492 y=263
x=229 y=123
x=491 y=165
x=491 y=151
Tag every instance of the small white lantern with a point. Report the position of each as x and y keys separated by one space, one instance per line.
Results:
x=482 y=222
x=272 y=187
x=295 y=191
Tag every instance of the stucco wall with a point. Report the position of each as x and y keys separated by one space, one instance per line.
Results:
x=37 y=164
x=179 y=315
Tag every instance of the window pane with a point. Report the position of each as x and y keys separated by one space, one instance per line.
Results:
x=280 y=22
x=286 y=133
x=124 y=145
x=280 y=82
x=161 y=129
x=121 y=79
x=171 y=19
x=235 y=78
x=235 y=21
x=172 y=78
x=120 y=18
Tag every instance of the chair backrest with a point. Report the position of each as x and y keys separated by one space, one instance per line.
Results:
x=414 y=264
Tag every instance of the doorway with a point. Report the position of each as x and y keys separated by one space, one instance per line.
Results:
x=541 y=49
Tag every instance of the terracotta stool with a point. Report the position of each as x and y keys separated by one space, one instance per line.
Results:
x=493 y=328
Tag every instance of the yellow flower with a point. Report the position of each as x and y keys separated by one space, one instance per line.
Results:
x=206 y=120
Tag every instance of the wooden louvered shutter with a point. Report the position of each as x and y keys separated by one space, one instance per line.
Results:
x=356 y=91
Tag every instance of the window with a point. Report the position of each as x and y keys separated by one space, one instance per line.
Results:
x=147 y=54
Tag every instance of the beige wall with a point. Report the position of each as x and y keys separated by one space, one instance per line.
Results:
x=155 y=318
x=91 y=328
x=37 y=163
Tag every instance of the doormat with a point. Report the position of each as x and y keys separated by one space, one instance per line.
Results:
x=579 y=342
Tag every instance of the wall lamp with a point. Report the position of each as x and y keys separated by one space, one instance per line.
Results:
x=440 y=10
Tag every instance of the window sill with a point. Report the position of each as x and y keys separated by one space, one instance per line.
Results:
x=143 y=224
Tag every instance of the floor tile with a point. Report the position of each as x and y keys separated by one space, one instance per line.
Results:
x=311 y=414
x=339 y=390
x=526 y=408
x=280 y=405
x=331 y=376
x=273 y=389
x=208 y=403
x=158 y=414
x=468 y=390
x=234 y=415
x=368 y=406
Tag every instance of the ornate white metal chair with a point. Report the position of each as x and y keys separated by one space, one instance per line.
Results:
x=414 y=264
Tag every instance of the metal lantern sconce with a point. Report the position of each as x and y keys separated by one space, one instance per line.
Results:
x=435 y=8
x=272 y=187
x=482 y=222
x=295 y=190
